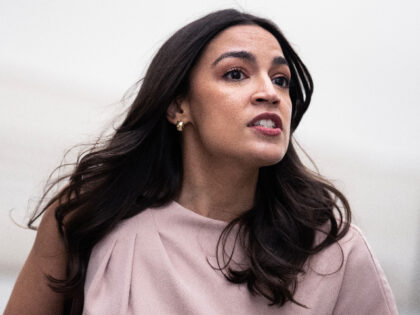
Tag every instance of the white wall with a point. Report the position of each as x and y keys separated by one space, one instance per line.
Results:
x=65 y=65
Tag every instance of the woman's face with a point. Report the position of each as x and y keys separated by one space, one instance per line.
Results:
x=241 y=75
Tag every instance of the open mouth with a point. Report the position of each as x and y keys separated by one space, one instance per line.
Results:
x=266 y=123
x=266 y=120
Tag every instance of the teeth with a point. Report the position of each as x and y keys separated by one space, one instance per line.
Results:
x=267 y=123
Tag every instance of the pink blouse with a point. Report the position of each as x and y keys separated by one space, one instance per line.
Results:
x=159 y=262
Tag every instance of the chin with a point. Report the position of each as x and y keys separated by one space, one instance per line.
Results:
x=267 y=159
x=264 y=154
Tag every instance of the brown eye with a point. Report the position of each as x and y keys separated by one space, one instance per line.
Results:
x=282 y=82
x=235 y=75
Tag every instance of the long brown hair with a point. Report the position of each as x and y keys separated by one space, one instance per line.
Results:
x=140 y=166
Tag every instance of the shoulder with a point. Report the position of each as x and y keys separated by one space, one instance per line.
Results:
x=359 y=259
x=117 y=262
x=126 y=230
x=355 y=247
x=110 y=254
x=364 y=287
x=355 y=239
x=346 y=278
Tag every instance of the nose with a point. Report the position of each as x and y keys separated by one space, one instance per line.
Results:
x=265 y=92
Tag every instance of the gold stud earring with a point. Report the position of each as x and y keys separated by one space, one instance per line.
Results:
x=179 y=125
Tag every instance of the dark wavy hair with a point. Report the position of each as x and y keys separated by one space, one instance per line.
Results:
x=140 y=166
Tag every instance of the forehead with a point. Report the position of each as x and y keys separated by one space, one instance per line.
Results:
x=251 y=38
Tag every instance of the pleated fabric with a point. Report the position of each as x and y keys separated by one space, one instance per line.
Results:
x=163 y=261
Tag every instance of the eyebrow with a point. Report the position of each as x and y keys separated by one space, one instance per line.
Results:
x=248 y=56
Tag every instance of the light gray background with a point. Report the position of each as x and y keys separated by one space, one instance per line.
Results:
x=64 y=66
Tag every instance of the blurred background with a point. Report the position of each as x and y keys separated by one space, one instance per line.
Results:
x=64 y=67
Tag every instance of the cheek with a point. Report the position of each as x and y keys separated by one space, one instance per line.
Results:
x=217 y=123
x=216 y=110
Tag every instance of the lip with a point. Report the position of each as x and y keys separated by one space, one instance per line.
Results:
x=274 y=117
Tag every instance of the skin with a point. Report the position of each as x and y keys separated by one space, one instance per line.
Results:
x=221 y=154
x=31 y=295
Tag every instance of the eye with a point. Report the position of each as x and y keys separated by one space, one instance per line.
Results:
x=283 y=82
x=235 y=75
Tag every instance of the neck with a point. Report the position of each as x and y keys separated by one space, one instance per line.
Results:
x=216 y=188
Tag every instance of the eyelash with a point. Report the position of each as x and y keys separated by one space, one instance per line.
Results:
x=285 y=83
x=226 y=75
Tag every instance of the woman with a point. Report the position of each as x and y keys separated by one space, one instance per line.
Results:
x=199 y=204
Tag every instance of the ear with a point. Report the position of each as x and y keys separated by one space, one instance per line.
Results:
x=177 y=110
